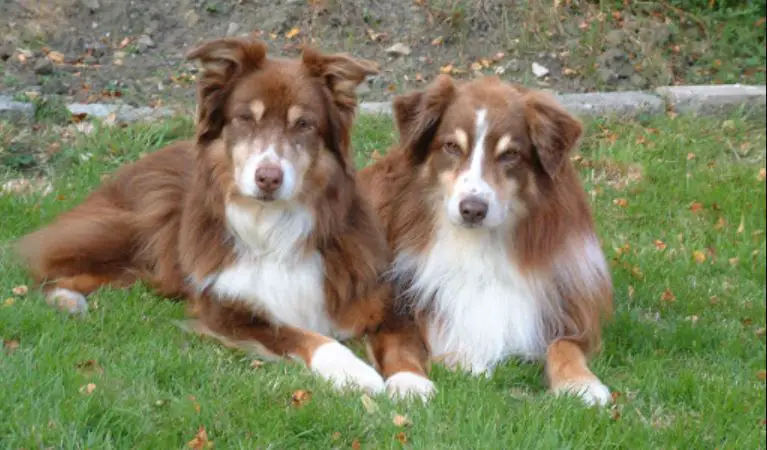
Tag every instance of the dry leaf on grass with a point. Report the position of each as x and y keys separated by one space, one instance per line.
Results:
x=292 y=33
x=762 y=375
x=356 y=444
x=401 y=437
x=256 y=364
x=696 y=207
x=668 y=296
x=762 y=175
x=20 y=290
x=88 y=389
x=9 y=302
x=89 y=367
x=699 y=256
x=200 y=440
x=300 y=398
x=56 y=57
x=760 y=332
x=10 y=346
x=195 y=404
x=370 y=406
x=622 y=202
x=660 y=245
x=401 y=421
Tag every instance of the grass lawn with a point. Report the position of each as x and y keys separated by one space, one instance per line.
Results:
x=680 y=206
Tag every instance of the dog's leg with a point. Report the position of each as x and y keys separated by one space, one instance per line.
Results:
x=401 y=355
x=68 y=293
x=236 y=327
x=568 y=373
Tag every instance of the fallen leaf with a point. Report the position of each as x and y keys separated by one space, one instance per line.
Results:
x=622 y=202
x=616 y=395
x=762 y=375
x=200 y=440
x=90 y=366
x=568 y=72
x=336 y=436
x=721 y=223
x=762 y=175
x=760 y=332
x=9 y=302
x=370 y=406
x=292 y=33
x=437 y=40
x=693 y=319
x=615 y=412
x=356 y=444
x=660 y=245
x=746 y=321
x=401 y=437
x=124 y=43
x=401 y=421
x=742 y=225
x=447 y=69
x=56 y=57
x=696 y=207
x=475 y=66
x=10 y=346
x=195 y=405
x=87 y=389
x=690 y=156
x=300 y=398
x=256 y=364
x=631 y=291
x=668 y=296
x=734 y=261
x=20 y=290
x=699 y=256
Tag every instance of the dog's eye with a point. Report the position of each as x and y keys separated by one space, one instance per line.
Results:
x=303 y=125
x=244 y=117
x=451 y=148
x=508 y=157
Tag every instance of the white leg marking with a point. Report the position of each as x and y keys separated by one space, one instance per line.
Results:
x=591 y=391
x=68 y=301
x=337 y=364
x=404 y=385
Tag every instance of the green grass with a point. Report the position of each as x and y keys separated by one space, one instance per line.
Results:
x=688 y=370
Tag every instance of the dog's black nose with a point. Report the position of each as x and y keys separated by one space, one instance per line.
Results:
x=473 y=209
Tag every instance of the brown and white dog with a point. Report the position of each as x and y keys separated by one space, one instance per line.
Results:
x=258 y=221
x=495 y=252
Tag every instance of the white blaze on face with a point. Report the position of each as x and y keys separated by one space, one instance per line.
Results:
x=471 y=181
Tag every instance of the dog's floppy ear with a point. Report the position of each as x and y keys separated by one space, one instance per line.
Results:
x=418 y=114
x=341 y=74
x=223 y=62
x=553 y=131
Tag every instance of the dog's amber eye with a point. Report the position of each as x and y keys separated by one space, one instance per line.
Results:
x=451 y=148
x=244 y=117
x=508 y=157
x=303 y=125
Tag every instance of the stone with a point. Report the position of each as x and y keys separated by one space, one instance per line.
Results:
x=120 y=113
x=13 y=110
x=232 y=29
x=43 y=67
x=376 y=108
x=626 y=104
x=144 y=42
x=715 y=99
x=398 y=49
x=539 y=71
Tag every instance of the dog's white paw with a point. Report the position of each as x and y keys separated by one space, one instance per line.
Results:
x=67 y=301
x=404 y=385
x=592 y=391
x=337 y=364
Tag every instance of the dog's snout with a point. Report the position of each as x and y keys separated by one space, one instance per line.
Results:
x=269 y=177
x=473 y=209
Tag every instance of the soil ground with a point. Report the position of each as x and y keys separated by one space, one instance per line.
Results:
x=132 y=51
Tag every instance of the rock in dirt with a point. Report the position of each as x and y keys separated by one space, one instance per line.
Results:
x=44 y=67
x=10 y=109
x=539 y=70
x=144 y=42
x=398 y=49
x=232 y=29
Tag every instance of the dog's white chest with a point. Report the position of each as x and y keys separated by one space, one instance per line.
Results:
x=274 y=274
x=482 y=309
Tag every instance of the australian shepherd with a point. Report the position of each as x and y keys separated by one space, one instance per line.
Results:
x=494 y=249
x=257 y=221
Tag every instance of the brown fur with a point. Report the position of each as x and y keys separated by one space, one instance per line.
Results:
x=162 y=219
x=404 y=188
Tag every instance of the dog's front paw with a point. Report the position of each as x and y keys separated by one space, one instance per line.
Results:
x=404 y=385
x=67 y=301
x=591 y=391
x=337 y=364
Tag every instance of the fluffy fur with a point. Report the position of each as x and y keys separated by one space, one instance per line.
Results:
x=258 y=221
x=495 y=253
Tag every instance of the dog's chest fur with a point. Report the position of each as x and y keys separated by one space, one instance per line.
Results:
x=480 y=309
x=273 y=273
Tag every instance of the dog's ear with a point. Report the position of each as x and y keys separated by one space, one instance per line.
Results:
x=418 y=114
x=340 y=74
x=223 y=62
x=553 y=131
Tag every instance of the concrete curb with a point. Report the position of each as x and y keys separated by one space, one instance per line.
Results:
x=705 y=100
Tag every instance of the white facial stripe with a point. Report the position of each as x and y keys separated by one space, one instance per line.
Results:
x=294 y=113
x=471 y=182
x=462 y=139
x=248 y=158
x=503 y=144
x=257 y=107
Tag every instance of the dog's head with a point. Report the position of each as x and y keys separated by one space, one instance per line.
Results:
x=487 y=149
x=280 y=126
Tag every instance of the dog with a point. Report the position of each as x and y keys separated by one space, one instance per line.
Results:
x=257 y=222
x=494 y=249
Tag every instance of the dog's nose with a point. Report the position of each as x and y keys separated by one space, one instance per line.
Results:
x=269 y=177
x=473 y=209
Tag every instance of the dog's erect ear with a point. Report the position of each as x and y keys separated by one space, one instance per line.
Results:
x=418 y=114
x=341 y=74
x=553 y=131
x=223 y=62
